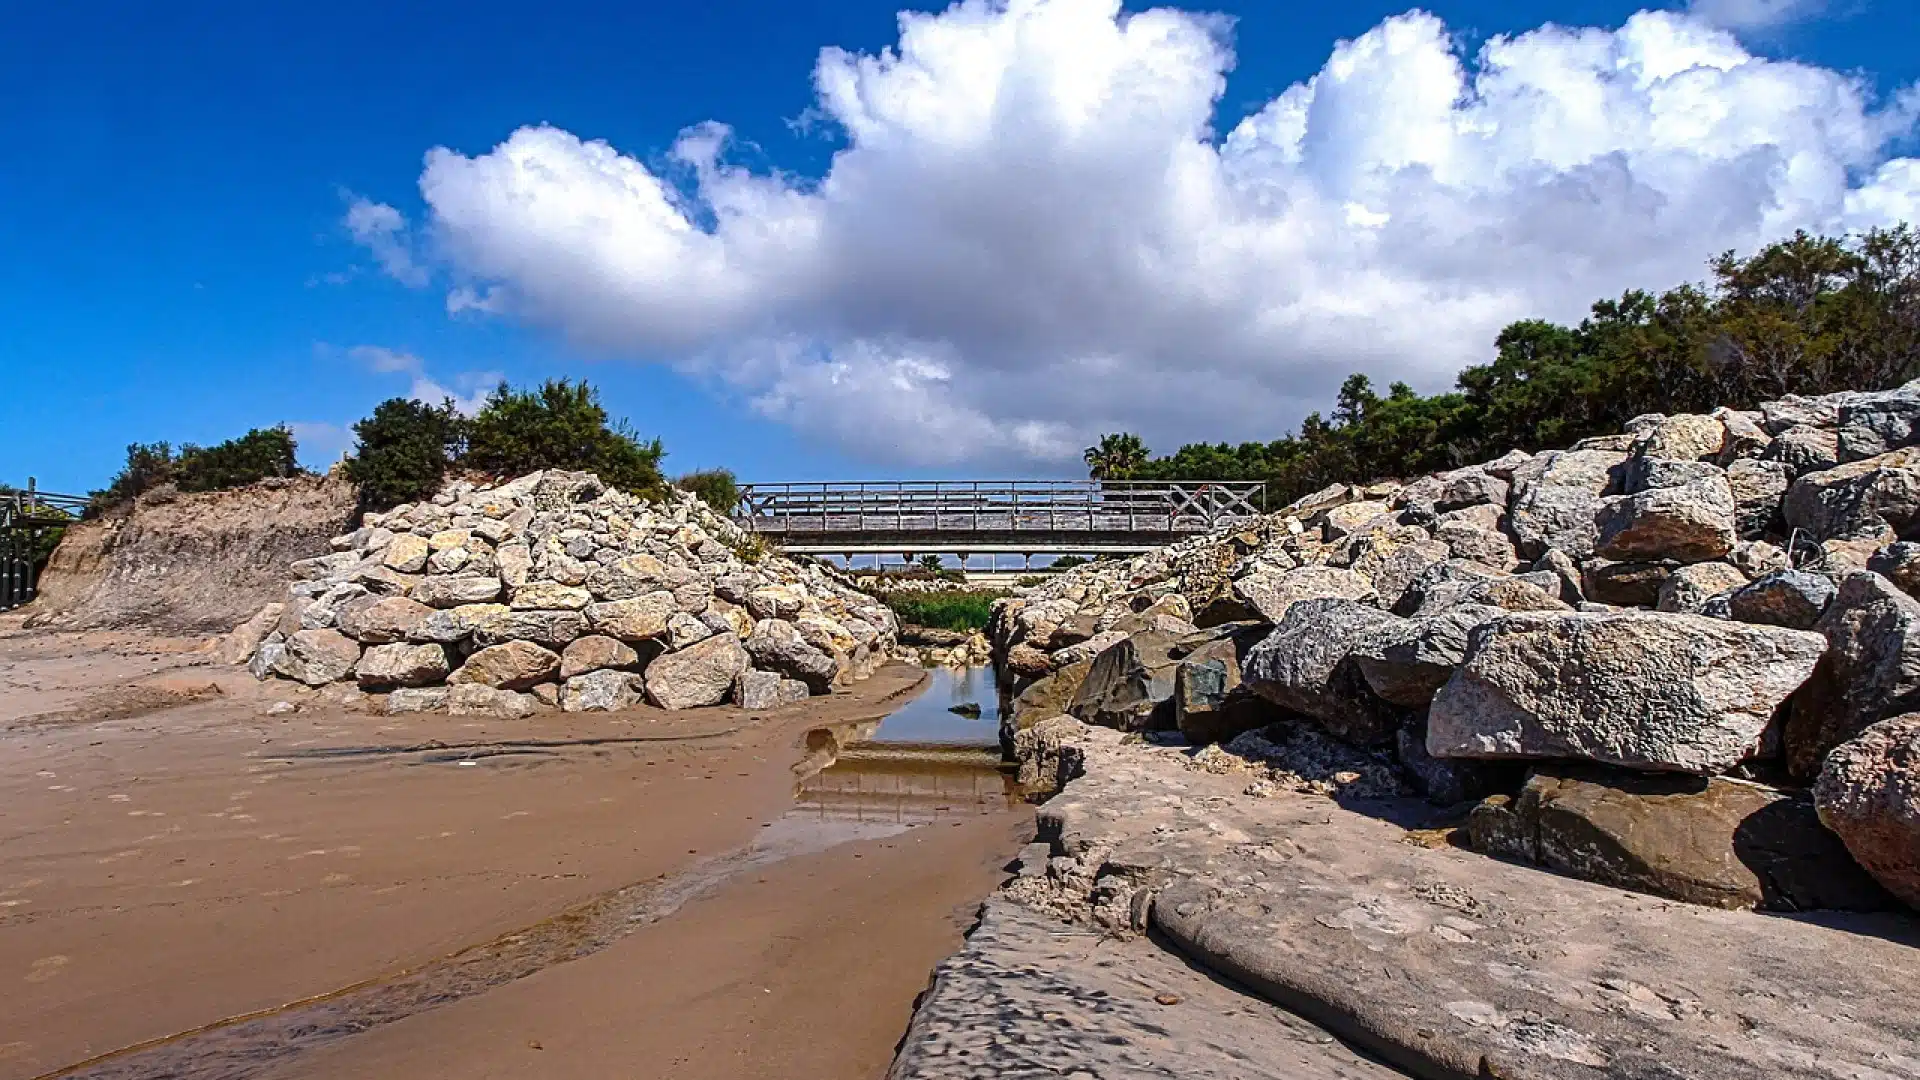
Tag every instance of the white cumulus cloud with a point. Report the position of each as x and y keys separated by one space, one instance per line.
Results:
x=1755 y=14
x=470 y=387
x=1039 y=226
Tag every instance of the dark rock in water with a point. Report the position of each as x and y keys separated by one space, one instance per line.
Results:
x=1710 y=841
x=968 y=709
x=1306 y=665
x=1130 y=685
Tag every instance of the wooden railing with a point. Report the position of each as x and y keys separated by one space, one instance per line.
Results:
x=25 y=517
x=997 y=506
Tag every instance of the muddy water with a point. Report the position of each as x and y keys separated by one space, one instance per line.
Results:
x=922 y=764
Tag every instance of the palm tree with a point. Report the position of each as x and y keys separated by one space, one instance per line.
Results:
x=1116 y=458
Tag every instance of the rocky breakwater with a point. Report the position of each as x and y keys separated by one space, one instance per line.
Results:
x=1677 y=663
x=553 y=590
x=1677 y=660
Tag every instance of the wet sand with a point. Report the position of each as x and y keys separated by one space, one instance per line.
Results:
x=172 y=855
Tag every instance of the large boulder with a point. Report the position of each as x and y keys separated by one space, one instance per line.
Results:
x=318 y=657
x=1645 y=690
x=1869 y=794
x=1871 y=670
x=1130 y=685
x=1471 y=486
x=453 y=591
x=513 y=665
x=700 y=674
x=1805 y=450
x=595 y=652
x=1862 y=499
x=604 y=690
x=1688 y=588
x=1691 y=522
x=1475 y=533
x=1045 y=697
x=549 y=596
x=1409 y=663
x=1554 y=498
x=1758 y=487
x=1270 y=592
x=641 y=617
x=401 y=664
x=547 y=629
x=778 y=645
x=1704 y=840
x=381 y=620
x=1898 y=563
x=1208 y=704
x=1306 y=665
x=1791 y=598
x=450 y=625
x=1687 y=437
x=1391 y=562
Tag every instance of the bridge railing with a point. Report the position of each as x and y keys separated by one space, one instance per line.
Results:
x=963 y=506
x=26 y=516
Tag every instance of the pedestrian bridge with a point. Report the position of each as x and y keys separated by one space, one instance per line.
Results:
x=991 y=517
x=29 y=521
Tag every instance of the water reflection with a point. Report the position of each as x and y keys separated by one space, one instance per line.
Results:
x=923 y=763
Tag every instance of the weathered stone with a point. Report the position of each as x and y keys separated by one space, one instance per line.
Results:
x=401 y=664
x=240 y=643
x=1409 y=663
x=1130 y=686
x=636 y=618
x=446 y=592
x=1206 y=705
x=382 y=581
x=603 y=690
x=549 y=629
x=1692 y=522
x=514 y=665
x=1859 y=499
x=449 y=561
x=1805 y=449
x=757 y=690
x=1471 y=486
x=1090 y=648
x=1758 y=487
x=417 y=699
x=1686 y=437
x=1625 y=584
x=1306 y=665
x=406 y=553
x=318 y=657
x=1871 y=670
x=477 y=699
x=684 y=629
x=1392 y=567
x=1469 y=535
x=1688 y=589
x=1344 y=520
x=1638 y=474
x=594 y=652
x=635 y=575
x=547 y=694
x=1869 y=794
x=382 y=620
x=1756 y=558
x=1048 y=696
x=776 y=602
x=564 y=570
x=515 y=563
x=322 y=612
x=1640 y=689
x=700 y=674
x=268 y=657
x=1900 y=564
x=1746 y=438
x=1450 y=781
x=1790 y=598
x=1703 y=840
x=549 y=596
x=1270 y=593
x=1028 y=662
x=778 y=645
x=1553 y=500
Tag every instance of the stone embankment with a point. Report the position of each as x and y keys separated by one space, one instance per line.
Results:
x=1679 y=661
x=553 y=590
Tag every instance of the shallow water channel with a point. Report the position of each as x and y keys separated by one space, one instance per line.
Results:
x=921 y=764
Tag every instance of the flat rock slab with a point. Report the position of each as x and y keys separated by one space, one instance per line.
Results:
x=1032 y=996
x=1452 y=964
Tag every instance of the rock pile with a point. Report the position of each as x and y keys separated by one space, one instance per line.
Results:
x=1724 y=603
x=555 y=590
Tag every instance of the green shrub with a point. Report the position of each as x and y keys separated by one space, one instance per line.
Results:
x=404 y=451
x=260 y=454
x=1068 y=562
x=716 y=487
x=944 y=611
x=560 y=426
x=930 y=563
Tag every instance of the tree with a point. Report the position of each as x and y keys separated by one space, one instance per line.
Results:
x=403 y=451
x=560 y=426
x=1116 y=457
x=260 y=454
x=930 y=563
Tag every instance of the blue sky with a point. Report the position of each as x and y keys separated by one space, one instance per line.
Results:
x=174 y=185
